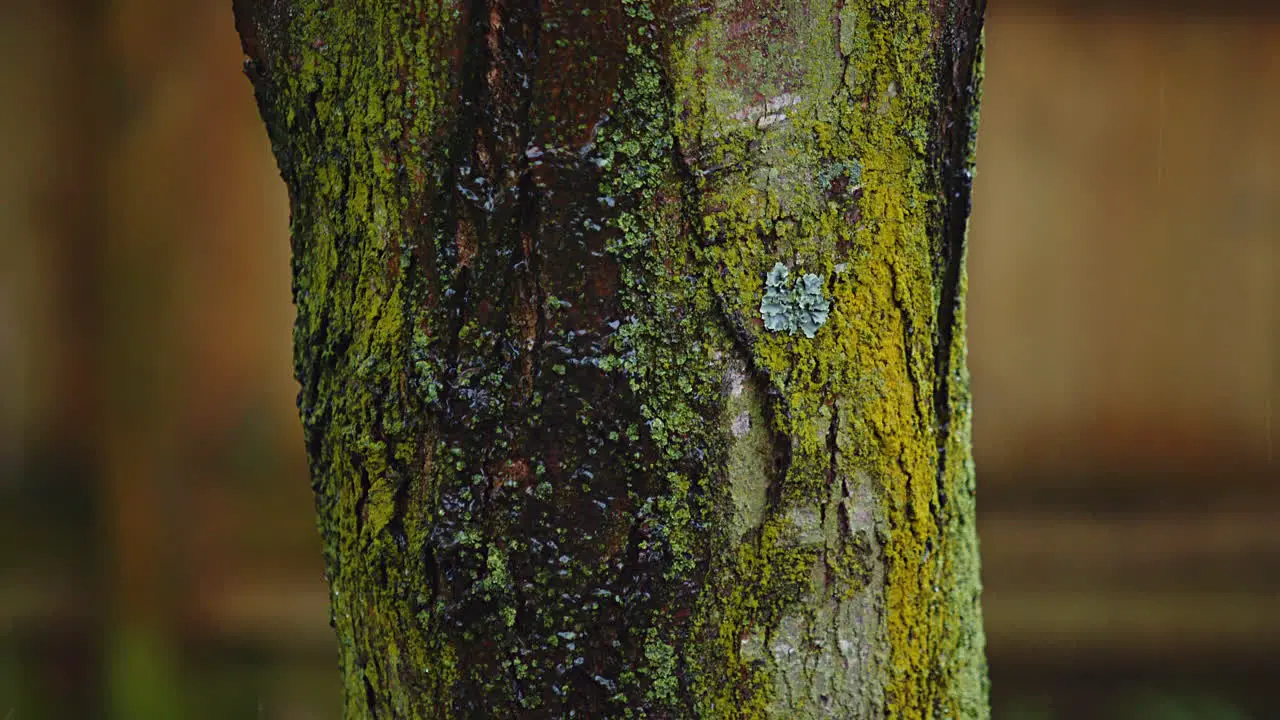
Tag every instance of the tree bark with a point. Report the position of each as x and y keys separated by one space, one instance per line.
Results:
x=562 y=467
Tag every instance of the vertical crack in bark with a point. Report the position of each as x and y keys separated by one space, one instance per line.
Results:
x=957 y=79
x=371 y=698
x=363 y=497
x=465 y=143
x=528 y=228
x=909 y=354
x=833 y=481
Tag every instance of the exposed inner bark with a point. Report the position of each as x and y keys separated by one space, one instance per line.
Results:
x=561 y=467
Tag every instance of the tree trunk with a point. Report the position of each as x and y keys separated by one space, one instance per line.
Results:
x=579 y=449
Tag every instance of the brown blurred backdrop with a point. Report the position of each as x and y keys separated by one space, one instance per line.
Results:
x=158 y=557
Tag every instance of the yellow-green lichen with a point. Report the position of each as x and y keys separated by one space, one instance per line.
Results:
x=831 y=172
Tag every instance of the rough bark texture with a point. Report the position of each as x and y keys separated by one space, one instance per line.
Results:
x=561 y=467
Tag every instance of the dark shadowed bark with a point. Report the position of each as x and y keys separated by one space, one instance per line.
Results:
x=572 y=456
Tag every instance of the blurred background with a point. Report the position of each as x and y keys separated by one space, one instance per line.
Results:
x=158 y=557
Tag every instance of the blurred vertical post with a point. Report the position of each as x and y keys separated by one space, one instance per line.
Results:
x=135 y=426
x=48 y=348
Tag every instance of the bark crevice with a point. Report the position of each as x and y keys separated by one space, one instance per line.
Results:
x=959 y=96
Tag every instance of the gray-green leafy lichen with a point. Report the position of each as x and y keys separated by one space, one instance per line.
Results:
x=791 y=305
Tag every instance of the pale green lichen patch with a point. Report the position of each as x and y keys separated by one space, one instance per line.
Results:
x=793 y=304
